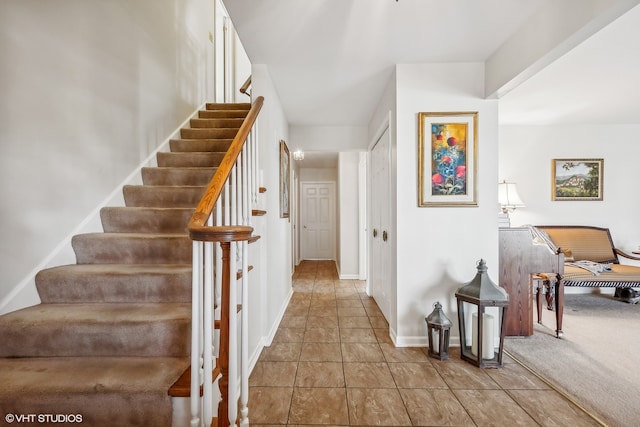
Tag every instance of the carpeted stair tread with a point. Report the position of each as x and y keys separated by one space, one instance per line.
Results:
x=228 y=106
x=200 y=145
x=184 y=196
x=119 y=219
x=177 y=176
x=216 y=123
x=144 y=330
x=132 y=248
x=105 y=391
x=190 y=159
x=115 y=283
x=208 y=133
x=219 y=114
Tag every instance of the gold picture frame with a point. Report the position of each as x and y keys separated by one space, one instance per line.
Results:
x=577 y=179
x=285 y=173
x=447 y=159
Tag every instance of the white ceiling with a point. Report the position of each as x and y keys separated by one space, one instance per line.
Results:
x=331 y=59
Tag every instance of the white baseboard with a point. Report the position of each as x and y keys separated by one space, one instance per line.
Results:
x=349 y=277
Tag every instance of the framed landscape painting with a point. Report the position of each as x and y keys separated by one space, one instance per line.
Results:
x=447 y=153
x=577 y=179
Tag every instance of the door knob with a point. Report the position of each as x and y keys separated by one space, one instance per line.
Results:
x=375 y=233
x=384 y=235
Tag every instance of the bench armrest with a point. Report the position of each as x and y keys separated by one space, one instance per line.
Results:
x=626 y=255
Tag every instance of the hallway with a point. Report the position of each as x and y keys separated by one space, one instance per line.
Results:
x=332 y=363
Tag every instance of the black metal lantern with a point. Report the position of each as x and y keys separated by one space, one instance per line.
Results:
x=438 y=328
x=478 y=326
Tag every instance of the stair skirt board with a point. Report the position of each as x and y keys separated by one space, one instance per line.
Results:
x=112 y=332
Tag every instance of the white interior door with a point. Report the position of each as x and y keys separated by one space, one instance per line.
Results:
x=380 y=221
x=318 y=219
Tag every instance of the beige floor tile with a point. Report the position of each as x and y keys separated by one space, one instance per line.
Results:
x=416 y=375
x=281 y=352
x=380 y=407
x=493 y=408
x=321 y=352
x=351 y=311
x=270 y=405
x=325 y=303
x=322 y=335
x=548 y=408
x=347 y=294
x=289 y=335
x=293 y=322
x=361 y=352
x=404 y=354
x=368 y=375
x=373 y=310
x=358 y=335
x=273 y=374
x=320 y=374
x=383 y=335
x=465 y=376
x=437 y=407
x=326 y=321
x=354 y=322
x=323 y=310
x=349 y=303
x=297 y=310
x=378 y=322
x=319 y=406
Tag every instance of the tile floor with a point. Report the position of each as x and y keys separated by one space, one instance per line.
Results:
x=332 y=363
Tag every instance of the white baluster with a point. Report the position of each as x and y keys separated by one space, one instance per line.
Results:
x=196 y=332
x=207 y=394
x=233 y=338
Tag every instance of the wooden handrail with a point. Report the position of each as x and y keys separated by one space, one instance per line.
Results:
x=245 y=86
x=197 y=224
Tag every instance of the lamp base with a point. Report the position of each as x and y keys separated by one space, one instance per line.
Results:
x=503 y=220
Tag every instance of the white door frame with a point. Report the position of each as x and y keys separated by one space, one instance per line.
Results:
x=384 y=127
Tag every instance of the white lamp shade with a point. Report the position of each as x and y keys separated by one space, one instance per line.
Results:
x=508 y=196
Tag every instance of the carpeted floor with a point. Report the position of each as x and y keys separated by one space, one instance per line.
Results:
x=597 y=362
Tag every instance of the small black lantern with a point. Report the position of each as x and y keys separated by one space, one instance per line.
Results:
x=438 y=328
x=477 y=326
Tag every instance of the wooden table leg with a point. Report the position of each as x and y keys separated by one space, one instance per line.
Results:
x=559 y=306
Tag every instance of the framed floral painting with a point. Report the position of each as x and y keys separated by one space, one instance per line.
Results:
x=285 y=172
x=577 y=179
x=447 y=159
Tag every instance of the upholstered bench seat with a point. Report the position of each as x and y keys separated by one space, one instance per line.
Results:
x=620 y=276
x=591 y=245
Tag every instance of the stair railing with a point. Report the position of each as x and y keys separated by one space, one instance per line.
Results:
x=246 y=87
x=220 y=229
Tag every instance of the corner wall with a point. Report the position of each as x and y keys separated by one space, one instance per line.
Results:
x=438 y=247
x=90 y=91
x=525 y=158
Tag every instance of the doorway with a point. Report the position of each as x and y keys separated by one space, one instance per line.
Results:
x=317 y=220
x=379 y=215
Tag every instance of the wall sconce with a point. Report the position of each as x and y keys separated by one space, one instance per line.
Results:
x=477 y=342
x=438 y=328
x=509 y=200
x=298 y=155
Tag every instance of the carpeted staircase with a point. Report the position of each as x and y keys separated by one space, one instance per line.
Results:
x=112 y=333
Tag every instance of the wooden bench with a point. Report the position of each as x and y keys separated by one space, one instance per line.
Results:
x=583 y=243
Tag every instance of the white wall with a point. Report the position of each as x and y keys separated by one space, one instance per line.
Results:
x=525 y=158
x=438 y=247
x=328 y=138
x=271 y=295
x=348 y=201
x=90 y=89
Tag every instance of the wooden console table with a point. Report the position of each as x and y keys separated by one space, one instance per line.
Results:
x=519 y=260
